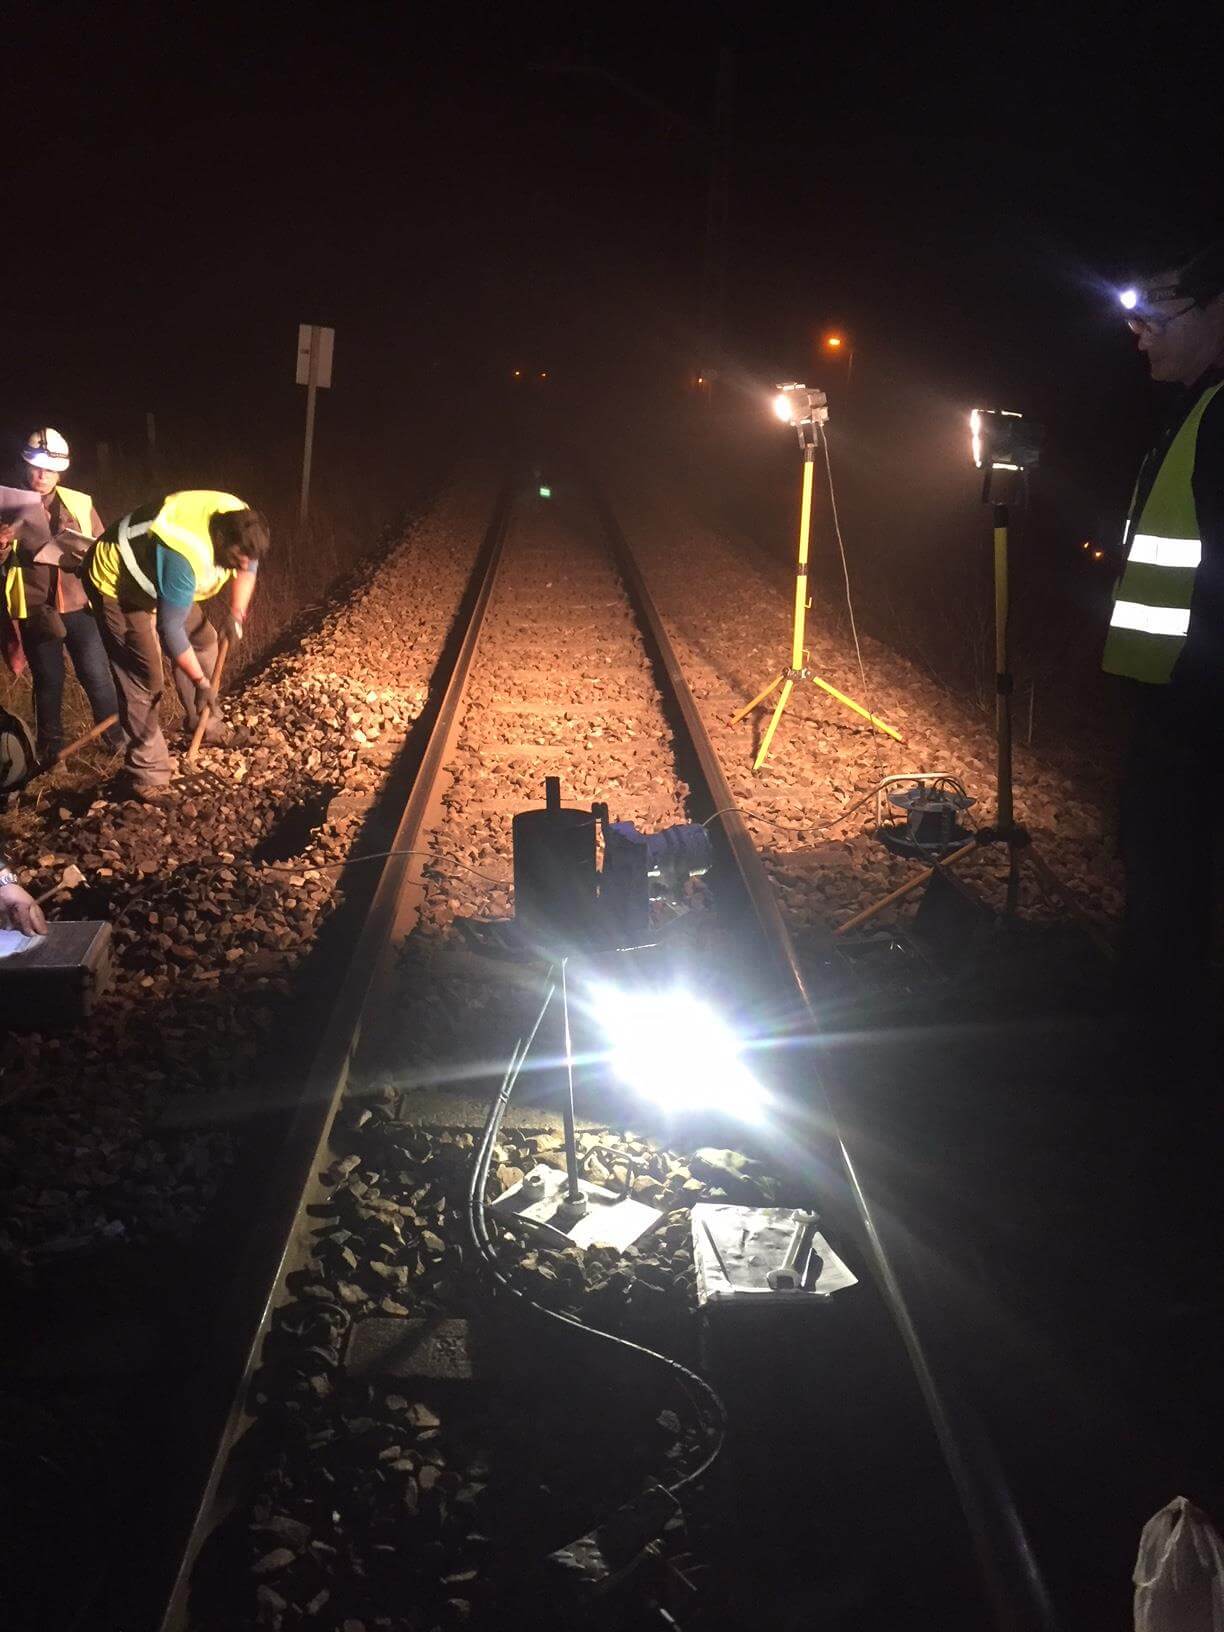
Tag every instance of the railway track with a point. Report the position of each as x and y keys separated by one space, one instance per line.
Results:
x=335 y=1497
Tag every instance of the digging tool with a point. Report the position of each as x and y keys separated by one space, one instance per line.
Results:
x=18 y=766
x=80 y=742
x=197 y=736
x=69 y=879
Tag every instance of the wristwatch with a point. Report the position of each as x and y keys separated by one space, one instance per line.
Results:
x=7 y=877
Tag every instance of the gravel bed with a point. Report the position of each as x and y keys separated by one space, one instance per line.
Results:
x=731 y=624
x=562 y=685
x=381 y=1505
x=216 y=899
x=408 y=1503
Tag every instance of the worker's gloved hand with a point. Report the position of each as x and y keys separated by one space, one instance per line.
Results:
x=205 y=695
x=19 y=910
x=232 y=627
x=7 y=535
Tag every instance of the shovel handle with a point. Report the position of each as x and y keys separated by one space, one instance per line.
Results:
x=197 y=736
x=86 y=738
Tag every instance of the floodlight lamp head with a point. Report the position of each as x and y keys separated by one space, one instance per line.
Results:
x=1001 y=439
x=806 y=409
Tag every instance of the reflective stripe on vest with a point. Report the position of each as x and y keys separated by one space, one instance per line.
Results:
x=182 y=525
x=1151 y=615
x=128 y=555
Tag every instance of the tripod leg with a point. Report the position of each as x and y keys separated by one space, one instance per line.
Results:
x=760 y=698
x=849 y=702
x=787 y=687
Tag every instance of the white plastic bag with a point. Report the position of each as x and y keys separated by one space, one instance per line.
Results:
x=1179 y=1573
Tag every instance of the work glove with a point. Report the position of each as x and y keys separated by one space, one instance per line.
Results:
x=231 y=627
x=205 y=695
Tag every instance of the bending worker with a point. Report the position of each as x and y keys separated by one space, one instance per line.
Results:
x=147 y=576
x=1166 y=637
x=49 y=604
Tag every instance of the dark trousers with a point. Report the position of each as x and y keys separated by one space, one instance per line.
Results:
x=1169 y=816
x=45 y=654
x=134 y=649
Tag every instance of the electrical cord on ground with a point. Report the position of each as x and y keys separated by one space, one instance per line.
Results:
x=707 y=1406
x=841 y=547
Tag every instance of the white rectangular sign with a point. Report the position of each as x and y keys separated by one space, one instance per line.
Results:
x=313 y=337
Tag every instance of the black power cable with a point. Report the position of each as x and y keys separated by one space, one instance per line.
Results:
x=707 y=1406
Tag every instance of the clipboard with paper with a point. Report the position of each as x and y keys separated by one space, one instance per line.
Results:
x=23 y=511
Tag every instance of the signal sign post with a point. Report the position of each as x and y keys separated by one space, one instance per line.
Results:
x=314 y=371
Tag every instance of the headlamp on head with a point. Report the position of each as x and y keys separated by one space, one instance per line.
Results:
x=1201 y=279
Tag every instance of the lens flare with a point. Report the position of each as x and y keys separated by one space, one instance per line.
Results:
x=671 y=1048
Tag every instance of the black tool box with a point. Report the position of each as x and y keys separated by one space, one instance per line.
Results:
x=56 y=982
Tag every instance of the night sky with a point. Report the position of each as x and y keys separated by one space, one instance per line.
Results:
x=457 y=189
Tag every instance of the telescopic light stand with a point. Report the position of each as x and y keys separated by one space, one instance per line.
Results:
x=809 y=440
x=1006 y=829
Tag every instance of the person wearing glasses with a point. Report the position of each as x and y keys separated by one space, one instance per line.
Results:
x=1166 y=640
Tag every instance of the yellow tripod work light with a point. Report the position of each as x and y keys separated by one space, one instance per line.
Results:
x=807 y=411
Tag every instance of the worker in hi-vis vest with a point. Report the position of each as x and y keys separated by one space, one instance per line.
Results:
x=147 y=577
x=1166 y=638
x=48 y=603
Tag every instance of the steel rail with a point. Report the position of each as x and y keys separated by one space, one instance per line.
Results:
x=1013 y=1583
x=244 y=1322
x=306 y=1146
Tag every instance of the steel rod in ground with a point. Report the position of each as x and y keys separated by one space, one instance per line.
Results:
x=573 y=1188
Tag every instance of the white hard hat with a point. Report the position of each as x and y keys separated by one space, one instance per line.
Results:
x=47 y=449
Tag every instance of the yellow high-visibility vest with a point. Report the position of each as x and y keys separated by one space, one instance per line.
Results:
x=181 y=525
x=80 y=507
x=1151 y=612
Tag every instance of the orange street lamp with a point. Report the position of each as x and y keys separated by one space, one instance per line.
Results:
x=839 y=345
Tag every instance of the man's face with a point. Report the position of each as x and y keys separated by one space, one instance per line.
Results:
x=40 y=480
x=235 y=560
x=1178 y=337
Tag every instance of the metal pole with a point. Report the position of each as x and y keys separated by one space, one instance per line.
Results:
x=311 y=391
x=1003 y=679
x=573 y=1188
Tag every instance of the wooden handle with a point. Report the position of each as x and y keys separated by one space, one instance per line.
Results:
x=78 y=743
x=197 y=736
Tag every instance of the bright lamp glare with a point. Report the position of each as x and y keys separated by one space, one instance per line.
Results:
x=673 y=1049
x=1129 y=298
x=782 y=407
x=975 y=433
